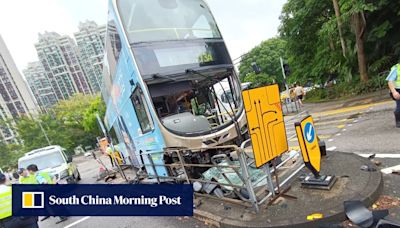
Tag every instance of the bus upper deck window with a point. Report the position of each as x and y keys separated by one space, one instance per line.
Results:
x=167 y=20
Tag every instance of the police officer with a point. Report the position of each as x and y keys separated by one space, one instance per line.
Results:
x=6 y=218
x=394 y=86
x=43 y=177
x=25 y=177
x=40 y=177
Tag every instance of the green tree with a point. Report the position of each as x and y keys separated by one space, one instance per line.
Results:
x=354 y=13
x=258 y=80
x=72 y=111
x=97 y=106
x=69 y=124
x=341 y=38
x=266 y=55
x=311 y=48
x=9 y=155
x=33 y=137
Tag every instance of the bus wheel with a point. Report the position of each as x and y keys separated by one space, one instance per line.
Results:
x=79 y=176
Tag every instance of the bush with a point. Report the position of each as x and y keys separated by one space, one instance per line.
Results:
x=343 y=90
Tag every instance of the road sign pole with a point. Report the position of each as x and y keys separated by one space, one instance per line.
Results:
x=284 y=80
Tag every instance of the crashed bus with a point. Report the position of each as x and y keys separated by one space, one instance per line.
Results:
x=172 y=94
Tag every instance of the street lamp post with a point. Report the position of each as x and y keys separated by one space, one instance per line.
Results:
x=284 y=80
x=44 y=133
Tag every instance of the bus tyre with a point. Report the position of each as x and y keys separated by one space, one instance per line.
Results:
x=71 y=179
x=79 y=176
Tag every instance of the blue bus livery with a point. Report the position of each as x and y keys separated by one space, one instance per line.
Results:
x=169 y=82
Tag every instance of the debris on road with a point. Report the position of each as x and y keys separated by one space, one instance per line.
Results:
x=367 y=168
x=379 y=211
x=315 y=216
x=387 y=202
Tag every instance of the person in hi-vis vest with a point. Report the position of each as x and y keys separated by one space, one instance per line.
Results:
x=43 y=177
x=25 y=177
x=114 y=154
x=394 y=86
x=6 y=218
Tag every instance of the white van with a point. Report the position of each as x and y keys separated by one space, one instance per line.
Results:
x=53 y=160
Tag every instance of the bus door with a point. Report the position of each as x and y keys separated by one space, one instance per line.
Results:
x=148 y=140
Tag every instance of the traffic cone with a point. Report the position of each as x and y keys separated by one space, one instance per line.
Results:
x=102 y=173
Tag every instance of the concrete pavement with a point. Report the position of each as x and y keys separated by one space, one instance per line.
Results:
x=88 y=169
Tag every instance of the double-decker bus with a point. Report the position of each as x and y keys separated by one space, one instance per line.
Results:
x=169 y=82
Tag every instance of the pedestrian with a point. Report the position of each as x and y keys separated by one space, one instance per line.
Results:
x=6 y=218
x=394 y=86
x=43 y=177
x=292 y=95
x=299 y=92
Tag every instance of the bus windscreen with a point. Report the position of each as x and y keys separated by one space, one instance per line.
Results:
x=167 y=20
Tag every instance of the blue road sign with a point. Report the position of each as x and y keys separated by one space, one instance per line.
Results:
x=309 y=132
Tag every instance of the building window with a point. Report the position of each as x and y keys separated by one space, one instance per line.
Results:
x=12 y=109
x=19 y=107
x=141 y=110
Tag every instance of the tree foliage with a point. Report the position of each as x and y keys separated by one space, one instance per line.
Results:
x=266 y=55
x=313 y=45
x=89 y=123
x=69 y=124
x=72 y=111
x=9 y=155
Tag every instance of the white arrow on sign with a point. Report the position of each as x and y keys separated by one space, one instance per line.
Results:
x=309 y=133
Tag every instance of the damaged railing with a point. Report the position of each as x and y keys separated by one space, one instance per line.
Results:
x=251 y=179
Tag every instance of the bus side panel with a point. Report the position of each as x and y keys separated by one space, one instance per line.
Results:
x=150 y=142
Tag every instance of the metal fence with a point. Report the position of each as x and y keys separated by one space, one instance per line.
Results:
x=248 y=187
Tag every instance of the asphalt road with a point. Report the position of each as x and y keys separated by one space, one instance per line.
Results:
x=364 y=127
x=89 y=169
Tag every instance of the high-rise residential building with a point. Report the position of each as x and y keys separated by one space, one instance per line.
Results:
x=16 y=100
x=90 y=41
x=59 y=57
x=40 y=85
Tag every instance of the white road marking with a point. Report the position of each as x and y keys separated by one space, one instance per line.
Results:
x=338 y=134
x=331 y=148
x=344 y=129
x=355 y=121
x=349 y=125
x=391 y=169
x=381 y=155
x=330 y=140
x=76 y=222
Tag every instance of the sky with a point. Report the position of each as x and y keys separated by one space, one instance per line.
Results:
x=243 y=23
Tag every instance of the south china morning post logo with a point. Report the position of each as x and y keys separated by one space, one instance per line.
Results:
x=33 y=200
x=116 y=200
x=103 y=200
